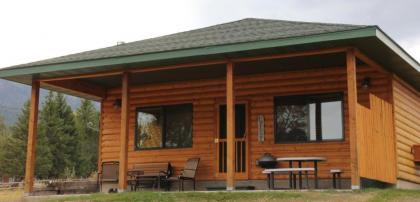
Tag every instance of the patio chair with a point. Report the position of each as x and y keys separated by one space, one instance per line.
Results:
x=109 y=173
x=188 y=173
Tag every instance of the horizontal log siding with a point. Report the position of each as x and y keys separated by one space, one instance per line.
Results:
x=261 y=90
x=407 y=128
x=164 y=94
x=257 y=90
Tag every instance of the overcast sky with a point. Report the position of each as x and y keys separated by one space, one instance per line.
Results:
x=34 y=30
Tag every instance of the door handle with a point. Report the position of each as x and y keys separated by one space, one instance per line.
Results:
x=216 y=140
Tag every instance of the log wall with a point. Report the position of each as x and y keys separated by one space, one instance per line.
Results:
x=407 y=128
x=258 y=91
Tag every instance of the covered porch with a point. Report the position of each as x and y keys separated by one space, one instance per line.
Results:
x=229 y=113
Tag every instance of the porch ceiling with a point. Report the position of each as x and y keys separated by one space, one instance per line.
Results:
x=219 y=71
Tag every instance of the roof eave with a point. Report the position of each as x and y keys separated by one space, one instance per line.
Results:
x=397 y=49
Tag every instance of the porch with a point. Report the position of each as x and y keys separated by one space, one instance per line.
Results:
x=216 y=94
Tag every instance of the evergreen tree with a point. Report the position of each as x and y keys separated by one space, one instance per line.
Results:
x=44 y=146
x=62 y=149
x=57 y=128
x=3 y=141
x=87 y=125
x=66 y=156
x=12 y=160
x=3 y=127
x=44 y=156
x=14 y=149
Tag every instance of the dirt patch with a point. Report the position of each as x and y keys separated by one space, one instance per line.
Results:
x=11 y=195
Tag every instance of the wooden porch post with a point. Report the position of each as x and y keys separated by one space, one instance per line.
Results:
x=122 y=179
x=230 y=129
x=101 y=113
x=352 y=107
x=32 y=137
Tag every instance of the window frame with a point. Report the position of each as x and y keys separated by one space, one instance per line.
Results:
x=317 y=99
x=163 y=125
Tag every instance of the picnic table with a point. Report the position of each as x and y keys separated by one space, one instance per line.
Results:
x=299 y=160
x=149 y=172
x=138 y=176
x=134 y=175
x=291 y=171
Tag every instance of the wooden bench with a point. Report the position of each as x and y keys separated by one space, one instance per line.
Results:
x=151 y=173
x=292 y=171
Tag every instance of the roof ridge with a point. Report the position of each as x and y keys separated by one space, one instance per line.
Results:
x=221 y=24
x=226 y=23
x=152 y=44
x=128 y=43
x=309 y=22
x=260 y=19
x=131 y=42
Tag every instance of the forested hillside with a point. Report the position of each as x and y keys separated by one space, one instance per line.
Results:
x=14 y=95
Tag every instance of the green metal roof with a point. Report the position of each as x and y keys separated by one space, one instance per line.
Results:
x=222 y=40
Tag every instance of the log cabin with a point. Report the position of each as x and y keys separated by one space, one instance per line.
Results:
x=232 y=92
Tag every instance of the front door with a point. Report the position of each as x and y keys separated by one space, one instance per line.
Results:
x=240 y=141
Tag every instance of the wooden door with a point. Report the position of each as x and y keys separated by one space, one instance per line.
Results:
x=241 y=150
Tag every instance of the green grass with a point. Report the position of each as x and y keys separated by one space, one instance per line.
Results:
x=371 y=195
x=187 y=196
x=396 y=195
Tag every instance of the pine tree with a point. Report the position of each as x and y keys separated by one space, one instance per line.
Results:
x=3 y=127
x=45 y=148
x=57 y=128
x=14 y=155
x=66 y=155
x=3 y=140
x=59 y=149
x=14 y=149
x=87 y=126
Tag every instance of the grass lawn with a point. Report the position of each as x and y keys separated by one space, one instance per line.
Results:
x=352 y=196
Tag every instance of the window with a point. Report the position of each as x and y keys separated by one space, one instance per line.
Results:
x=304 y=118
x=149 y=128
x=164 y=127
x=240 y=121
